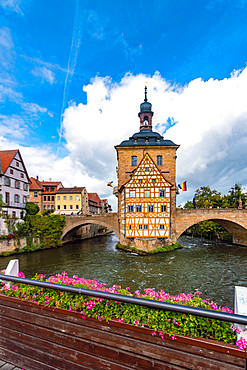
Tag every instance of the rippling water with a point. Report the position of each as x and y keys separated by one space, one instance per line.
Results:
x=201 y=265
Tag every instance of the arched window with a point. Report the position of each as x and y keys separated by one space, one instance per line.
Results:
x=134 y=160
x=159 y=160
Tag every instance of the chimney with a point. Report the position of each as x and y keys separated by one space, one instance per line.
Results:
x=37 y=177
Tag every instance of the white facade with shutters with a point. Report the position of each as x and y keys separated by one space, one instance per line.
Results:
x=14 y=190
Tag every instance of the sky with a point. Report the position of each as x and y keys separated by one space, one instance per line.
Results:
x=72 y=77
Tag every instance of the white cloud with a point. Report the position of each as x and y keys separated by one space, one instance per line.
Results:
x=210 y=126
x=12 y=5
x=12 y=126
x=45 y=74
x=42 y=162
x=5 y=38
x=206 y=118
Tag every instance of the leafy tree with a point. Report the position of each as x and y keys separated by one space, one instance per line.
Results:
x=10 y=221
x=234 y=195
x=189 y=205
x=207 y=198
x=31 y=208
x=2 y=204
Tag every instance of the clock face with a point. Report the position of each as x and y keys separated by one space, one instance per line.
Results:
x=145 y=123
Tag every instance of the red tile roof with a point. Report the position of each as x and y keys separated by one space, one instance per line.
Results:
x=49 y=183
x=35 y=184
x=93 y=197
x=6 y=157
x=75 y=189
x=40 y=185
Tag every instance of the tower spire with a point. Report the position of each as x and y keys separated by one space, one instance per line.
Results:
x=145 y=93
x=145 y=113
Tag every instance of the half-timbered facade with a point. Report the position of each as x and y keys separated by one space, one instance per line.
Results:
x=146 y=185
x=147 y=202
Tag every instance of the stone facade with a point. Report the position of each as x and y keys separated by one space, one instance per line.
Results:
x=43 y=193
x=12 y=244
x=130 y=154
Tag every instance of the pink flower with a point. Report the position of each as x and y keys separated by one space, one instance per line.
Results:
x=241 y=344
x=175 y=322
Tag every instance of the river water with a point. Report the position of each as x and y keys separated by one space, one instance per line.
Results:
x=214 y=269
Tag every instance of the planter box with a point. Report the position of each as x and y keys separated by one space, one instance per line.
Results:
x=40 y=337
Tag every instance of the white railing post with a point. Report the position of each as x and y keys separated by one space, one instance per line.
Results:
x=12 y=270
x=240 y=308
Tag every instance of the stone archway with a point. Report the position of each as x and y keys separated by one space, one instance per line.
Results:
x=74 y=222
x=233 y=220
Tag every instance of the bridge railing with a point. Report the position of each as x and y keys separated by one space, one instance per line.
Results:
x=223 y=316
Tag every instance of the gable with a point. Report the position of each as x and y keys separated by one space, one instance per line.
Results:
x=147 y=174
x=6 y=157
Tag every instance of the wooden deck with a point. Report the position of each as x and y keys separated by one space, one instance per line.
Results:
x=38 y=337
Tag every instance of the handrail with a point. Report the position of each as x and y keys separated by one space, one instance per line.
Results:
x=224 y=316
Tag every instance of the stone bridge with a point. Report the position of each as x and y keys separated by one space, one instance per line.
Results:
x=233 y=220
x=73 y=222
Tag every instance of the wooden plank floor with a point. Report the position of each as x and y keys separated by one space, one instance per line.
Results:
x=5 y=366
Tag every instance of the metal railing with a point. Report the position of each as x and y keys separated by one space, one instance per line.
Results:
x=223 y=316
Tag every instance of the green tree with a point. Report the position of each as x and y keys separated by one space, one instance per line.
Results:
x=2 y=204
x=189 y=205
x=10 y=221
x=207 y=198
x=234 y=195
x=31 y=208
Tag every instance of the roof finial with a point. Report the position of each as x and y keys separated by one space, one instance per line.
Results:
x=145 y=94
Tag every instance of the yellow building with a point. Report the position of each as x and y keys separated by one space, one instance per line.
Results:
x=72 y=201
x=146 y=184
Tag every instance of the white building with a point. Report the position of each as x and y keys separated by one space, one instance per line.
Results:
x=14 y=185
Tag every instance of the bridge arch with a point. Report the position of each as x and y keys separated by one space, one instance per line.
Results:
x=74 y=222
x=233 y=220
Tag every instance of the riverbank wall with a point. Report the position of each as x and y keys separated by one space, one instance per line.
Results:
x=14 y=244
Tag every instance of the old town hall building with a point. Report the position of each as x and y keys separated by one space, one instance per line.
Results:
x=146 y=185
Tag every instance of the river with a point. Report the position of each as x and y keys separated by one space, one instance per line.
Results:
x=213 y=269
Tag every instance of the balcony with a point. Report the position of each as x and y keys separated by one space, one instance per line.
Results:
x=15 y=205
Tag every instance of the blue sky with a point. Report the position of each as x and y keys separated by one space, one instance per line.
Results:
x=61 y=61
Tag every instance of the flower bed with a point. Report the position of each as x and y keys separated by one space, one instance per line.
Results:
x=161 y=322
x=45 y=328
